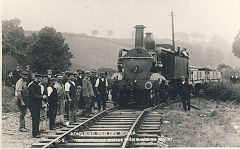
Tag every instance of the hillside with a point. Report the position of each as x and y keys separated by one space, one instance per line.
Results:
x=96 y=52
x=93 y=52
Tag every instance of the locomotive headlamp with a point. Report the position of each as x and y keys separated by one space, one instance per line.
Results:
x=159 y=64
x=148 y=85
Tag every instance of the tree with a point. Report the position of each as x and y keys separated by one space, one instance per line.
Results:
x=223 y=66
x=110 y=33
x=14 y=42
x=15 y=45
x=50 y=51
x=236 y=45
x=94 y=32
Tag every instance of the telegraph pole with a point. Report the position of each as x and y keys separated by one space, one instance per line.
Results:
x=173 y=41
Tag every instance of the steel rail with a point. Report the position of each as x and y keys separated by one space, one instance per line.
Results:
x=58 y=140
x=126 y=140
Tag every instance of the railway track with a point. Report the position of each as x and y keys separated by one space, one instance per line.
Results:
x=112 y=128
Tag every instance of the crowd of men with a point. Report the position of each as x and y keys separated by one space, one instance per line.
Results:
x=49 y=97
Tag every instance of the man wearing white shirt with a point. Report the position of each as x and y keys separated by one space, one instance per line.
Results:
x=61 y=99
x=102 y=92
x=71 y=92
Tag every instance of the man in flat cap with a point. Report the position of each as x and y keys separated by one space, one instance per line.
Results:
x=93 y=79
x=29 y=72
x=22 y=94
x=185 y=91
x=16 y=73
x=71 y=93
x=80 y=76
x=35 y=103
x=49 y=75
x=52 y=101
x=88 y=93
x=102 y=90
x=61 y=98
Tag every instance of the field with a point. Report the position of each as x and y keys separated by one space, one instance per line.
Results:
x=217 y=124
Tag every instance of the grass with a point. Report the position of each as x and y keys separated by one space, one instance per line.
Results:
x=213 y=126
x=8 y=100
x=223 y=91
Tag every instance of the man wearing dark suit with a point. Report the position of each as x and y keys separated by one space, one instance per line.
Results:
x=79 y=80
x=93 y=79
x=16 y=74
x=35 y=103
x=10 y=82
x=29 y=73
x=52 y=101
x=102 y=91
x=185 y=91
x=49 y=76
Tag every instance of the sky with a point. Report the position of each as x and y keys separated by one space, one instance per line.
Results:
x=82 y=16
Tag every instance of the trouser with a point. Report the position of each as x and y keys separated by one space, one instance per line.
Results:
x=102 y=98
x=52 y=114
x=22 y=110
x=61 y=111
x=186 y=102
x=72 y=110
x=88 y=101
x=67 y=108
x=35 y=114
x=81 y=101
x=93 y=99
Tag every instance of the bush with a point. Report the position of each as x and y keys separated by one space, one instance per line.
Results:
x=8 y=101
x=224 y=91
x=8 y=64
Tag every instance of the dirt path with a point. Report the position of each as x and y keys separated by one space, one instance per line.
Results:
x=216 y=125
x=11 y=137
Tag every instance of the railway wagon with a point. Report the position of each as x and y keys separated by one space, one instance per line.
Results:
x=142 y=69
x=200 y=76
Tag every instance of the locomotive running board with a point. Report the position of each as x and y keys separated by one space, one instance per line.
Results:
x=135 y=58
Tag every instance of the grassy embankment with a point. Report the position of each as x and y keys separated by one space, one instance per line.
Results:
x=223 y=91
x=8 y=100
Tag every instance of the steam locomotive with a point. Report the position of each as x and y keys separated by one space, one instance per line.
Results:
x=143 y=68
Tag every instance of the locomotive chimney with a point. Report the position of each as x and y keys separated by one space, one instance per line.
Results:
x=139 y=36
